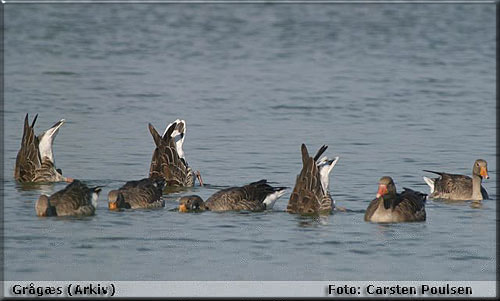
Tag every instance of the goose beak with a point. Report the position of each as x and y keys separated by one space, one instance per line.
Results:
x=382 y=189
x=183 y=208
x=484 y=173
x=112 y=206
x=69 y=180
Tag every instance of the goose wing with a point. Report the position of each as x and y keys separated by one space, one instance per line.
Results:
x=251 y=197
x=47 y=172
x=145 y=191
x=452 y=183
x=28 y=158
x=410 y=205
x=233 y=198
x=74 y=199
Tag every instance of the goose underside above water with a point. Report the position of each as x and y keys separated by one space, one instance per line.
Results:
x=168 y=159
x=35 y=159
x=311 y=193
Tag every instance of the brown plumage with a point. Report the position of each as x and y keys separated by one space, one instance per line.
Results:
x=392 y=207
x=256 y=196
x=166 y=162
x=35 y=161
x=460 y=187
x=76 y=199
x=310 y=195
x=145 y=193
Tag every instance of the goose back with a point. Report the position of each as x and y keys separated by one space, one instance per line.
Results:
x=251 y=197
x=145 y=193
x=75 y=199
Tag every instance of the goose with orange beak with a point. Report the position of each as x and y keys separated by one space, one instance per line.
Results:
x=460 y=187
x=145 y=193
x=392 y=207
x=256 y=196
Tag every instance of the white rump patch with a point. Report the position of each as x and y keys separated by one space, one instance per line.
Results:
x=46 y=140
x=95 y=196
x=178 y=138
x=430 y=182
x=271 y=198
x=324 y=171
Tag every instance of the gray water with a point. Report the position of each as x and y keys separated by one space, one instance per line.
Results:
x=392 y=89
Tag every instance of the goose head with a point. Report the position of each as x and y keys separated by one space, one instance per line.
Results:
x=480 y=169
x=386 y=186
x=190 y=203
x=116 y=200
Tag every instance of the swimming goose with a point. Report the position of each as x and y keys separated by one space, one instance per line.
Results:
x=311 y=192
x=460 y=187
x=168 y=159
x=256 y=196
x=76 y=199
x=35 y=160
x=392 y=207
x=145 y=193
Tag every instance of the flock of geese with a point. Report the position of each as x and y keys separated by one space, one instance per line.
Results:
x=35 y=164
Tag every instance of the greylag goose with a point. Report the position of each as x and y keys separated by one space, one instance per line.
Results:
x=311 y=192
x=76 y=199
x=392 y=207
x=460 y=187
x=145 y=193
x=256 y=196
x=168 y=159
x=35 y=160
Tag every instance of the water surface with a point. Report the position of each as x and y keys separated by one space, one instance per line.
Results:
x=392 y=89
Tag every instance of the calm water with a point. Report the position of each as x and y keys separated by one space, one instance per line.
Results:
x=392 y=89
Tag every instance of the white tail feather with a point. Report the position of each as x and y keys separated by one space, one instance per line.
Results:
x=430 y=182
x=272 y=198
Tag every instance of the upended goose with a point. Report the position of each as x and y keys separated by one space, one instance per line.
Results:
x=256 y=196
x=35 y=160
x=145 y=193
x=168 y=159
x=460 y=187
x=311 y=192
x=392 y=207
x=76 y=199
